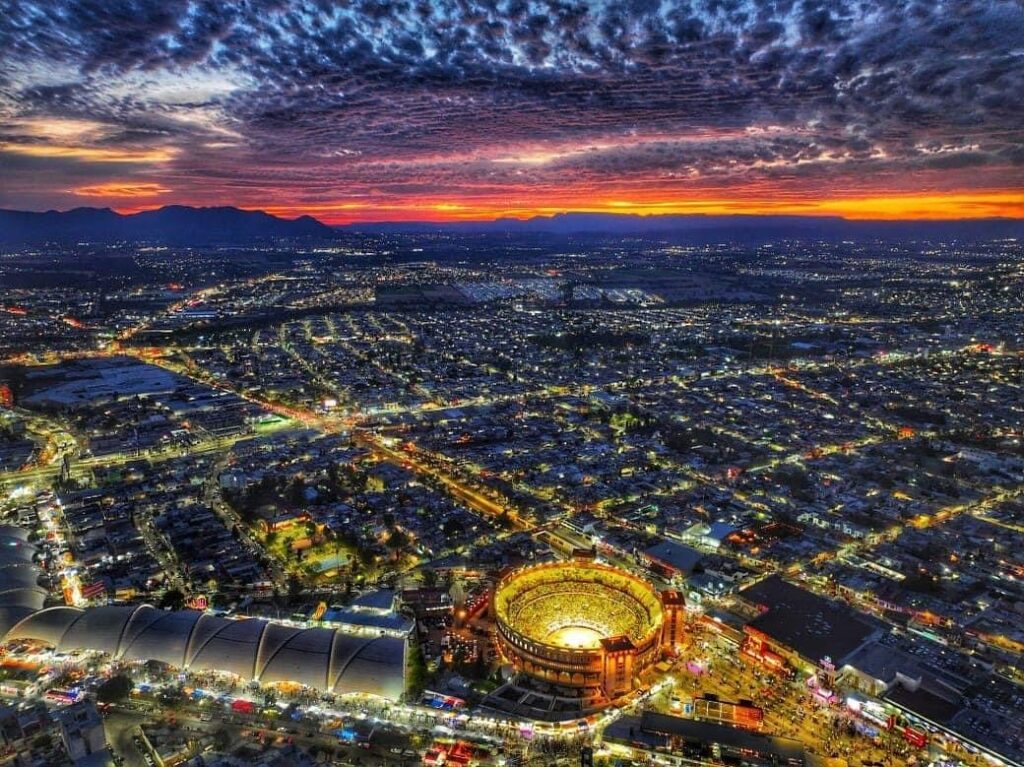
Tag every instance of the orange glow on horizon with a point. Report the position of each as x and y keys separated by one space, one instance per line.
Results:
x=919 y=207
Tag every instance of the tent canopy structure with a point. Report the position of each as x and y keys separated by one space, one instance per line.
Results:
x=327 y=660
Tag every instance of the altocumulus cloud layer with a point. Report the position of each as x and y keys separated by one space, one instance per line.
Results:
x=471 y=108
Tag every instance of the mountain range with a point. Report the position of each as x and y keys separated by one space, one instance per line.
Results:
x=171 y=225
x=180 y=225
x=702 y=228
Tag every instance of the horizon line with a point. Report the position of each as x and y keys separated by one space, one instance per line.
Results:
x=279 y=213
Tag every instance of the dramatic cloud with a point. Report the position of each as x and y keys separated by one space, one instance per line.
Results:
x=118 y=190
x=466 y=108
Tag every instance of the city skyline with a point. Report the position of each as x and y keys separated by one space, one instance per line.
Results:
x=456 y=111
x=421 y=497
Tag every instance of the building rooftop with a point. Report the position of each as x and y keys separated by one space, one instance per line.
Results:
x=366 y=620
x=882 y=662
x=654 y=729
x=378 y=599
x=675 y=555
x=924 y=703
x=812 y=626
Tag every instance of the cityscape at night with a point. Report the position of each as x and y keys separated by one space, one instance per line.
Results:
x=529 y=383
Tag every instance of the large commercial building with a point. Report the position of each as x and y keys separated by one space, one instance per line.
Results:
x=676 y=741
x=798 y=629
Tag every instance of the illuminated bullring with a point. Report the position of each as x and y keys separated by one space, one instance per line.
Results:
x=579 y=624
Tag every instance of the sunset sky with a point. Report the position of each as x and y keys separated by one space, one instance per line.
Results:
x=470 y=109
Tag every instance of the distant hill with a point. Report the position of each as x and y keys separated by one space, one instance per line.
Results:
x=170 y=225
x=186 y=226
x=700 y=228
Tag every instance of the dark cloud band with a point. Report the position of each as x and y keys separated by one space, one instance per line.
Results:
x=472 y=97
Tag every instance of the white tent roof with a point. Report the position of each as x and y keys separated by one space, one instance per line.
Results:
x=328 y=660
x=323 y=659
